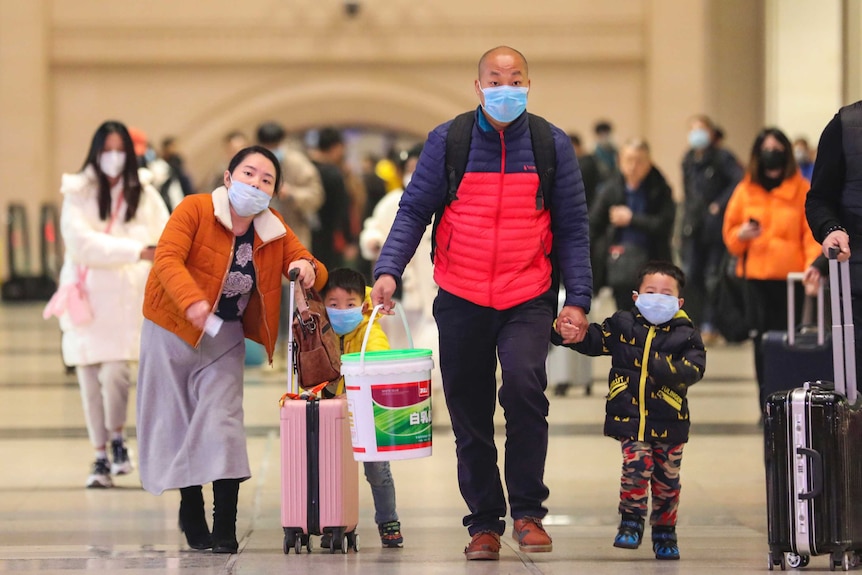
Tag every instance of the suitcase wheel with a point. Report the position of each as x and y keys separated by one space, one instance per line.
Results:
x=353 y=537
x=846 y=560
x=294 y=539
x=797 y=561
x=776 y=559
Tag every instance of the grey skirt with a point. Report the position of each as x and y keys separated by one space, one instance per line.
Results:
x=189 y=409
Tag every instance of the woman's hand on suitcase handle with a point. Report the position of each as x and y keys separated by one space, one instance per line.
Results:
x=306 y=273
x=382 y=293
x=198 y=312
x=573 y=320
x=811 y=280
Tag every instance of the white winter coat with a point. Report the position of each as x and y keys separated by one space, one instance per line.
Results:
x=116 y=275
x=417 y=281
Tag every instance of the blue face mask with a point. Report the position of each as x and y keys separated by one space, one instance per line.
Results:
x=657 y=308
x=344 y=321
x=246 y=199
x=698 y=139
x=505 y=103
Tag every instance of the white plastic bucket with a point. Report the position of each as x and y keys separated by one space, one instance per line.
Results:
x=389 y=400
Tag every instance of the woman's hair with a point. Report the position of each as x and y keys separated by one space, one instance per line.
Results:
x=755 y=170
x=131 y=184
x=245 y=152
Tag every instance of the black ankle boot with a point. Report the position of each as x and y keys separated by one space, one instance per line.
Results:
x=193 y=519
x=225 y=495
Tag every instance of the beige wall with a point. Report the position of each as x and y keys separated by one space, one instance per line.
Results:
x=804 y=52
x=199 y=68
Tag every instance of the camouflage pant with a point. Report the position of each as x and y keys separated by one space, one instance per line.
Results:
x=651 y=467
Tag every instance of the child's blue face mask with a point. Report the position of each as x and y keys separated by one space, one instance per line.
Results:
x=344 y=321
x=657 y=308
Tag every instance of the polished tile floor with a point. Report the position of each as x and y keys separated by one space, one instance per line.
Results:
x=50 y=524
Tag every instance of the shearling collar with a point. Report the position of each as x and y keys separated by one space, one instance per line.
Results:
x=266 y=225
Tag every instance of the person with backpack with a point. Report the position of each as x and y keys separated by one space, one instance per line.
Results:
x=511 y=220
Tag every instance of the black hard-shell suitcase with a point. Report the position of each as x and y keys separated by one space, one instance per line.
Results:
x=813 y=475
x=791 y=358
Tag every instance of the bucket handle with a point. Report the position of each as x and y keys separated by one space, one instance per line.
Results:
x=371 y=323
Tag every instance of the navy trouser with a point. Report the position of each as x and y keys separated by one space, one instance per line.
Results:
x=471 y=339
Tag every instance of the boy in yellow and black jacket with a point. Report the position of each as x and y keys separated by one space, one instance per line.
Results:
x=349 y=309
x=657 y=353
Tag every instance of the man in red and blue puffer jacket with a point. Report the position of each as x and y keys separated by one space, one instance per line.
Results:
x=493 y=264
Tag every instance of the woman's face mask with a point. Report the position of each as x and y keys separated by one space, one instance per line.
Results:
x=698 y=139
x=112 y=162
x=246 y=199
x=344 y=321
x=657 y=308
x=772 y=159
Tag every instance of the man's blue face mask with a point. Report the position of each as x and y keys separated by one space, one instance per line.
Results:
x=505 y=103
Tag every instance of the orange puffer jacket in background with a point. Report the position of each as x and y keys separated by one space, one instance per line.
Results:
x=785 y=244
x=194 y=256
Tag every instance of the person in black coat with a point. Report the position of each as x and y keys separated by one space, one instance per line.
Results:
x=710 y=173
x=631 y=221
x=657 y=354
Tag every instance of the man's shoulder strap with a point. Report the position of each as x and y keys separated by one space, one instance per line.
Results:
x=545 y=154
x=457 y=151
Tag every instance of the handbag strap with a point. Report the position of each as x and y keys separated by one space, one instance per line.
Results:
x=302 y=307
x=82 y=270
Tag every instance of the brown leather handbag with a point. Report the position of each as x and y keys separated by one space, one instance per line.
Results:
x=317 y=349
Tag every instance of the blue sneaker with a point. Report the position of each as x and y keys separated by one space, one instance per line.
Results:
x=630 y=532
x=664 y=543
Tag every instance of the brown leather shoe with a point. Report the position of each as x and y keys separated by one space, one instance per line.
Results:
x=531 y=536
x=485 y=545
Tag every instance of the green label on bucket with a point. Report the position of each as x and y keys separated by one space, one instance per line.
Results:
x=402 y=415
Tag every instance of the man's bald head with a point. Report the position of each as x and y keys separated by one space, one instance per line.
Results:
x=503 y=50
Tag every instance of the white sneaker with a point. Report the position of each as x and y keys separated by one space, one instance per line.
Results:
x=121 y=464
x=100 y=478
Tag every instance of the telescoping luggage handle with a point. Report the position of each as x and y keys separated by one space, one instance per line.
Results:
x=792 y=278
x=843 y=338
x=292 y=378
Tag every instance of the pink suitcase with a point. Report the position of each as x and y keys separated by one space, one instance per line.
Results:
x=319 y=477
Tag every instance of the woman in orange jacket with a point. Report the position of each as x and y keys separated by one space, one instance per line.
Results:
x=216 y=280
x=765 y=228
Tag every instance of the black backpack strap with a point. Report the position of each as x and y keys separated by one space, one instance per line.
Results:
x=457 y=152
x=545 y=154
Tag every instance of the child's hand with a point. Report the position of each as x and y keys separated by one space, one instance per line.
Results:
x=567 y=329
x=572 y=324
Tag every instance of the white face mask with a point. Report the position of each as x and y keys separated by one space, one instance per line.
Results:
x=246 y=199
x=658 y=308
x=112 y=163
